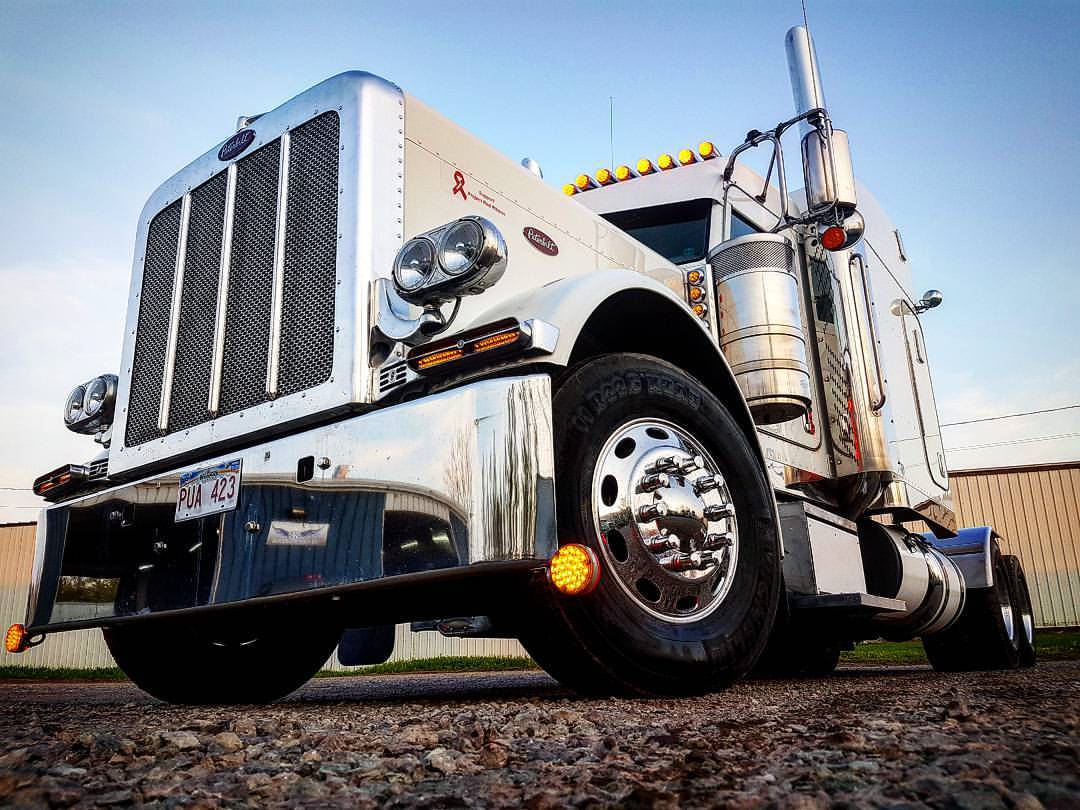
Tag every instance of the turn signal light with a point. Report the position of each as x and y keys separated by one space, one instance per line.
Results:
x=17 y=640
x=624 y=172
x=506 y=334
x=604 y=177
x=569 y=189
x=584 y=182
x=833 y=238
x=706 y=150
x=686 y=157
x=574 y=570
x=644 y=166
x=665 y=162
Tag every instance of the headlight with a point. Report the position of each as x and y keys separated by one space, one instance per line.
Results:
x=470 y=256
x=414 y=264
x=73 y=408
x=89 y=407
x=460 y=246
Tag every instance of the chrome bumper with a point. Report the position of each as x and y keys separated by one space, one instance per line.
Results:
x=449 y=481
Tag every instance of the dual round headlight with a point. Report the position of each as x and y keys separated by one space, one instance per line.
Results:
x=89 y=407
x=462 y=258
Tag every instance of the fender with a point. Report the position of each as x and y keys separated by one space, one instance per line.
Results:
x=623 y=310
x=973 y=552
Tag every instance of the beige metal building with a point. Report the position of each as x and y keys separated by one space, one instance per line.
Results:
x=1036 y=509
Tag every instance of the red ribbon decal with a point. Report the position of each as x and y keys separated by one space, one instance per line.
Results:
x=459 y=185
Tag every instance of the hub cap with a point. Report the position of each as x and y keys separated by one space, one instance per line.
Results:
x=666 y=521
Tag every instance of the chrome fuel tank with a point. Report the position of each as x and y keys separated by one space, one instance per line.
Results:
x=761 y=330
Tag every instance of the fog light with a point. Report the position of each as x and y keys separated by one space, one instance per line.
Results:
x=16 y=640
x=574 y=570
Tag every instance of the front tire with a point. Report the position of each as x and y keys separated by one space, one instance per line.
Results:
x=634 y=433
x=256 y=659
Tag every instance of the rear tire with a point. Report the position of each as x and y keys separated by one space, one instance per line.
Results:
x=629 y=636
x=1023 y=615
x=257 y=659
x=984 y=637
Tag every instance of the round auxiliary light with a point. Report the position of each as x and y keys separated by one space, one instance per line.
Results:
x=414 y=264
x=574 y=570
x=583 y=182
x=686 y=157
x=460 y=246
x=15 y=639
x=833 y=238
x=623 y=172
x=696 y=293
x=604 y=177
x=707 y=150
x=644 y=166
x=695 y=276
x=97 y=391
x=700 y=310
x=665 y=162
x=569 y=189
x=73 y=408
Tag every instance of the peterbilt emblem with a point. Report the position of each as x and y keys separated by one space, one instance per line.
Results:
x=236 y=144
x=541 y=241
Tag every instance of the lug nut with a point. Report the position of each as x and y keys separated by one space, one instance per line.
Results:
x=715 y=541
x=663 y=464
x=702 y=559
x=689 y=465
x=706 y=483
x=675 y=561
x=651 y=511
x=718 y=512
x=663 y=542
x=653 y=481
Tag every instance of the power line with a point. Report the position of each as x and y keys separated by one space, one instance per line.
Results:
x=1014 y=441
x=1010 y=415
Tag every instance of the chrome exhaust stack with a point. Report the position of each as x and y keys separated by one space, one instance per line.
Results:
x=826 y=155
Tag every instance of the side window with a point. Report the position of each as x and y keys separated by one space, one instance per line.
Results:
x=740 y=227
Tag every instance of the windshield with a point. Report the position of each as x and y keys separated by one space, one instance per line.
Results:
x=678 y=231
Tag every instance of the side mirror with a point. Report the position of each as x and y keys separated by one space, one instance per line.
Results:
x=930 y=299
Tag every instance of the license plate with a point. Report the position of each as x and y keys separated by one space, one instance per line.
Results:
x=208 y=490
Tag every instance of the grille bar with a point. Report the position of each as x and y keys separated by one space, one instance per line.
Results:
x=174 y=316
x=273 y=359
x=218 y=361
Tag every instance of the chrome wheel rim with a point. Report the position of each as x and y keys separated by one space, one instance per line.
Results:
x=665 y=519
x=1028 y=623
x=1007 y=616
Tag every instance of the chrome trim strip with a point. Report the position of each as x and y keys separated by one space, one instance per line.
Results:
x=174 y=315
x=274 y=356
x=214 y=402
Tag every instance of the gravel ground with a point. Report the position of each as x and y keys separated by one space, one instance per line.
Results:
x=902 y=738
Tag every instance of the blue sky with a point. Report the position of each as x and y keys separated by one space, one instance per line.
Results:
x=963 y=120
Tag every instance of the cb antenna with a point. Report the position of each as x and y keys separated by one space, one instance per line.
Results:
x=611 y=129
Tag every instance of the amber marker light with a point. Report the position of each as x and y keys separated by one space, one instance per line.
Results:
x=569 y=189
x=644 y=166
x=574 y=570
x=495 y=341
x=833 y=238
x=707 y=150
x=686 y=157
x=584 y=182
x=438 y=358
x=665 y=162
x=695 y=276
x=696 y=294
x=623 y=172
x=604 y=177
x=16 y=639
x=699 y=310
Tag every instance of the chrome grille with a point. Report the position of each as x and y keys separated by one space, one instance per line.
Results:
x=148 y=363
x=198 y=301
x=302 y=244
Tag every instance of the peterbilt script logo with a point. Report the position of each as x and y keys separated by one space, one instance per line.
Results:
x=541 y=241
x=236 y=144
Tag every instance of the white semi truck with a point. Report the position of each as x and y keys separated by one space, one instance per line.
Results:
x=665 y=428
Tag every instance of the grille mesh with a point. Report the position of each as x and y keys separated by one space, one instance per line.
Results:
x=251 y=281
x=310 y=283
x=155 y=299
x=751 y=256
x=307 y=313
x=198 y=303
